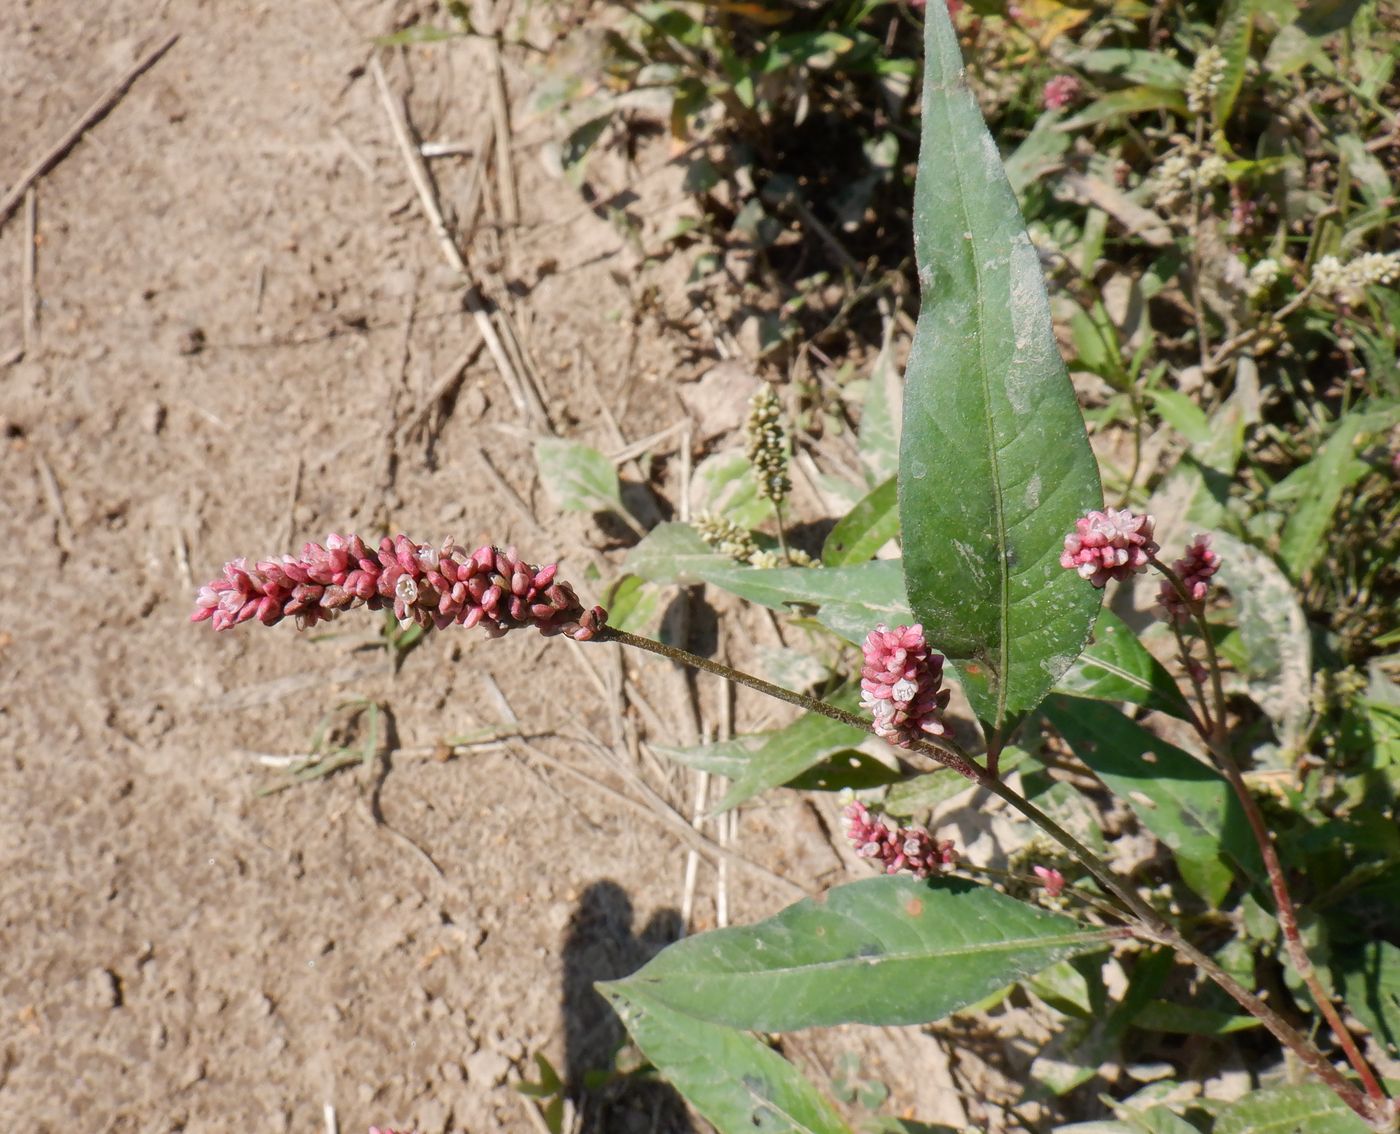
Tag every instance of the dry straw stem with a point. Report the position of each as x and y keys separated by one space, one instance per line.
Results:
x=418 y=174
x=90 y=117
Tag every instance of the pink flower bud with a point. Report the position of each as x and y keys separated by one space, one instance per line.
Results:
x=1194 y=569
x=1109 y=545
x=1053 y=879
x=901 y=684
x=1060 y=92
x=899 y=849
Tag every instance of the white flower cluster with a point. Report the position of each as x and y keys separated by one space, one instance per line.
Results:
x=767 y=445
x=1186 y=169
x=1205 y=79
x=1262 y=278
x=1348 y=282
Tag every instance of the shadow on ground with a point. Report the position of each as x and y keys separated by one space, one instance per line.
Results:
x=601 y=946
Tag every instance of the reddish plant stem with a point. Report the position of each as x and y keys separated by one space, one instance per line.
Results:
x=1216 y=741
x=1147 y=923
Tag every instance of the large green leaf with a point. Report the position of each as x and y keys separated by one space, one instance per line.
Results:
x=1369 y=979
x=865 y=528
x=738 y=1083
x=1117 y=667
x=1185 y=803
x=1311 y=1109
x=1232 y=38
x=850 y=600
x=889 y=950
x=995 y=464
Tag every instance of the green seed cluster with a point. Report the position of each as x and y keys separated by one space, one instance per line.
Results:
x=725 y=536
x=767 y=449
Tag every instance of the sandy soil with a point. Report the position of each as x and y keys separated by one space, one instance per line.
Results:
x=241 y=316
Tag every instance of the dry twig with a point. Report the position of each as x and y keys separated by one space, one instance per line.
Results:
x=90 y=117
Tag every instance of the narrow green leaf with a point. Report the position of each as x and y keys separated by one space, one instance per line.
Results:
x=789 y=752
x=850 y=600
x=1236 y=30
x=880 y=951
x=739 y=1084
x=1182 y=414
x=865 y=528
x=1190 y=1019
x=1187 y=805
x=1117 y=667
x=632 y=604
x=579 y=478
x=995 y=464
x=1311 y=1109
x=880 y=416
x=924 y=793
x=1319 y=488
x=1151 y=68
x=1120 y=104
x=1274 y=633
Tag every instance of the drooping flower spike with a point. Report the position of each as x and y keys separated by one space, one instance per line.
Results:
x=1194 y=569
x=1112 y=544
x=424 y=585
x=901 y=684
x=898 y=849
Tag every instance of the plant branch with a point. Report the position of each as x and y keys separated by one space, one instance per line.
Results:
x=1215 y=738
x=1376 y=1110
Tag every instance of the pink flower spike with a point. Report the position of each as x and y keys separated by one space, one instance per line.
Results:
x=901 y=684
x=1053 y=879
x=1194 y=569
x=426 y=586
x=1112 y=544
x=910 y=849
x=1060 y=91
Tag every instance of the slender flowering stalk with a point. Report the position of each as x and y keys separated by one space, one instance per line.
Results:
x=424 y=585
x=1112 y=544
x=767 y=445
x=898 y=849
x=901 y=684
x=1194 y=571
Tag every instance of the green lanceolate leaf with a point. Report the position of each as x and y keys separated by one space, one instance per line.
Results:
x=995 y=464
x=738 y=1083
x=1236 y=30
x=890 y=950
x=1290 y=1110
x=1185 y=803
x=1117 y=667
x=849 y=600
x=865 y=528
x=1134 y=100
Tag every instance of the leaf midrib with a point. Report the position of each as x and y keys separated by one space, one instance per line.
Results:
x=1000 y=670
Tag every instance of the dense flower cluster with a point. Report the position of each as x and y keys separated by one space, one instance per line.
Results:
x=1204 y=81
x=901 y=684
x=725 y=536
x=767 y=445
x=1348 y=282
x=430 y=586
x=1060 y=92
x=898 y=848
x=1262 y=277
x=1112 y=544
x=1194 y=569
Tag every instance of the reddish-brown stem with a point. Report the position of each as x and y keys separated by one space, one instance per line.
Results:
x=1215 y=738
